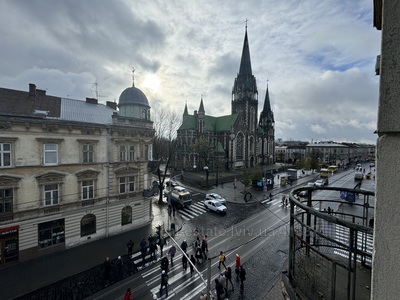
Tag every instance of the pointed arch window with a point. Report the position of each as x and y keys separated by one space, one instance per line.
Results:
x=239 y=146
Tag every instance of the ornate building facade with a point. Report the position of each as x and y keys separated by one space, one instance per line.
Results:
x=238 y=140
x=71 y=171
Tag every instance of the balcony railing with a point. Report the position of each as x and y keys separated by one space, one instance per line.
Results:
x=330 y=254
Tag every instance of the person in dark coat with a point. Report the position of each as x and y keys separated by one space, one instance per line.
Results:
x=203 y=249
x=184 y=262
x=161 y=243
x=164 y=264
x=130 y=245
x=164 y=283
x=228 y=276
x=219 y=289
x=107 y=271
x=143 y=250
x=172 y=252
x=242 y=275
x=184 y=246
x=193 y=262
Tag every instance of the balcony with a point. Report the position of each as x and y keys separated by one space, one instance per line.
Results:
x=330 y=254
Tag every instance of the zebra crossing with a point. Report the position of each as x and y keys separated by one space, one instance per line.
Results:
x=364 y=243
x=194 y=210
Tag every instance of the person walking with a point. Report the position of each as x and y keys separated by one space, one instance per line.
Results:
x=120 y=266
x=172 y=252
x=107 y=271
x=130 y=245
x=193 y=262
x=164 y=283
x=184 y=246
x=219 y=288
x=143 y=250
x=161 y=243
x=222 y=259
x=184 y=262
x=164 y=264
x=128 y=294
x=228 y=278
x=203 y=249
x=237 y=266
x=242 y=275
x=206 y=241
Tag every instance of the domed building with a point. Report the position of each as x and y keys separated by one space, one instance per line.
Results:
x=133 y=103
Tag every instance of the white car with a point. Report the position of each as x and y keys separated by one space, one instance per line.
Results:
x=215 y=206
x=214 y=196
x=319 y=183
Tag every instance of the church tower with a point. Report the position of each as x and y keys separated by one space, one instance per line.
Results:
x=244 y=92
x=267 y=126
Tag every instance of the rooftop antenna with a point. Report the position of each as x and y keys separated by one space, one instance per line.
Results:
x=133 y=76
x=246 y=22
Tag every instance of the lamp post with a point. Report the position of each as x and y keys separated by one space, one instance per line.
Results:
x=232 y=136
x=207 y=171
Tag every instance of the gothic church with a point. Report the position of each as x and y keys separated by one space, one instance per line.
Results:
x=238 y=140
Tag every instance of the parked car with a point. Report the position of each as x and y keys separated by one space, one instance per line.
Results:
x=171 y=184
x=214 y=196
x=215 y=205
x=319 y=183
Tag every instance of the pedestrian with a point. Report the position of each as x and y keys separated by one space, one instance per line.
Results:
x=193 y=262
x=164 y=264
x=221 y=260
x=164 y=282
x=242 y=275
x=184 y=262
x=270 y=196
x=143 y=250
x=161 y=243
x=283 y=200
x=173 y=209
x=286 y=202
x=120 y=266
x=130 y=245
x=237 y=266
x=228 y=277
x=128 y=294
x=169 y=210
x=172 y=252
x=203 y=249
x=184 y=246
x=219 y=288
x=206 y=241
x=107 y=271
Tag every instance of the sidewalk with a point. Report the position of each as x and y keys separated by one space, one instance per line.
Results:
x=61 y=271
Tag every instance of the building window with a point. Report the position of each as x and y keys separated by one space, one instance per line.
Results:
x=146 y=152
x=131 y=153
x=51 y=233
x=5 y=155
x=88 y=225
x=50 y=154
x=87 y=189
x=51 y=194
x=122 y=153
x=127 y=184
x=126 y=215
x=6 y=200
x=88 y=153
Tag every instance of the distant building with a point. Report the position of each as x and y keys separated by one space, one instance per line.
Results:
x=238 y=140
x=71 y=171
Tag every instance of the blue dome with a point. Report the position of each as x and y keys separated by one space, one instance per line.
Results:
x=133 y=95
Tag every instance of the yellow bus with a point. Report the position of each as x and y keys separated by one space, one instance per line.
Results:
x=332 y=169
x=323 y=173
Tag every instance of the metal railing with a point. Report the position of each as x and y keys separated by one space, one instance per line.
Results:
x=330 y=255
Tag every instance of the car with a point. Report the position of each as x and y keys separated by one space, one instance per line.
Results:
x=171 y=184
x=215 y=206
x=302 y=194
x=214 y=196
x=319 y=183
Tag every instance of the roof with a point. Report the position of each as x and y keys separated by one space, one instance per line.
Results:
x=133 y=95
x=20 y=103
x=81 y=111
x=212 y=124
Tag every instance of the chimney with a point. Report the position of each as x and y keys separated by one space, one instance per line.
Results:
x=91 y=100
x=41 y=92
x=111 y=104
x=32 y=90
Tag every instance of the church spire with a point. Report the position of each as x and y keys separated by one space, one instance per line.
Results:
x=267 y=116
x=185 y=112
x=245 y=63
x=201 y=108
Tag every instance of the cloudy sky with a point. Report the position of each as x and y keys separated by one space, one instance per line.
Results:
x=318 y=56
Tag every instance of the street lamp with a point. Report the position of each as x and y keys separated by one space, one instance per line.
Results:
x=207 y=171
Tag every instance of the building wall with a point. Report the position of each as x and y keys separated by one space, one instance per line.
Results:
x=386 y=256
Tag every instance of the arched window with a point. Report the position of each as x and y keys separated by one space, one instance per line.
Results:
x=126 y=215
x=239 y=146
x=88 y=225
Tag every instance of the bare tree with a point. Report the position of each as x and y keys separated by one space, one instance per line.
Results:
x=166 y=124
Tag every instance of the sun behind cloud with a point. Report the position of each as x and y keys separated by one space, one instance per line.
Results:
x=152 y=82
